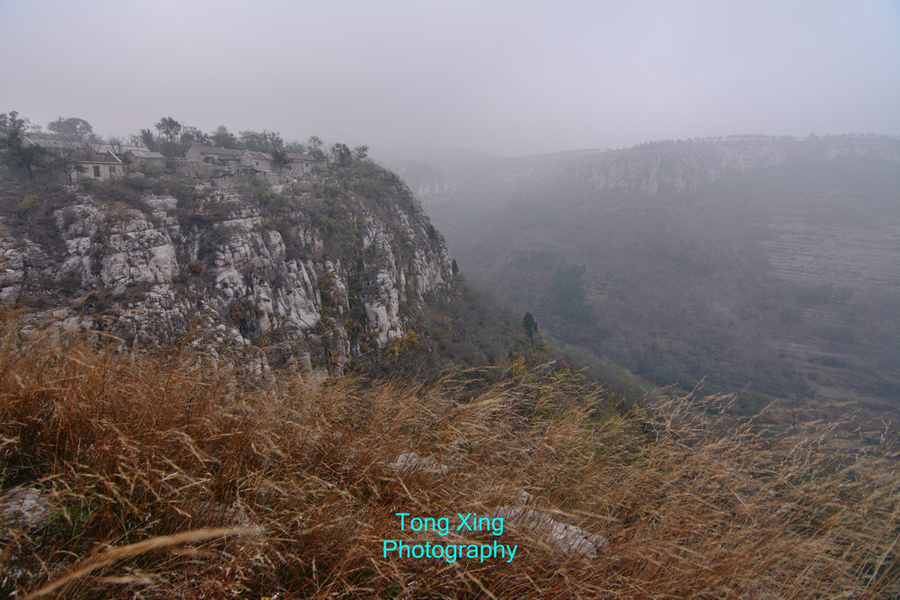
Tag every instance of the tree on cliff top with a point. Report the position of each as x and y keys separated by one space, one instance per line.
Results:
x=17 y=153
x=72 y=129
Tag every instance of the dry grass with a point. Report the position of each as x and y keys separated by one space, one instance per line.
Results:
x=150 y=460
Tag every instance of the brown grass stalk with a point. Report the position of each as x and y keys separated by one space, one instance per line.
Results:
x=116 y=554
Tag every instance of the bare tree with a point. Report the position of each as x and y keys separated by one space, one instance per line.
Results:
x=66 y=163
x=117 y=145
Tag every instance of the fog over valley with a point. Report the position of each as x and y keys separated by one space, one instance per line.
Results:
x=768 y=262
x=450 y=299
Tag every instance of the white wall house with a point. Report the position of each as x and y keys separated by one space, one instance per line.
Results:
x=259 y=161
x=144 y=158
x=215 y=156
x=94 y=162
x=301 y=163
x=103 y=166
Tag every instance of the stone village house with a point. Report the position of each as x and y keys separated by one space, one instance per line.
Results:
x=143 y=158
x=100 y=165
x=260 y=162
x=96 y=162
x=223 y=157
x=301 y=163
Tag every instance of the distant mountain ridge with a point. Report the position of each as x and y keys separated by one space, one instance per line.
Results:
x=649 y=167
x=769 y=261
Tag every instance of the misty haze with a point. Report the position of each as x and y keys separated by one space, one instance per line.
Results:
x=449 y=299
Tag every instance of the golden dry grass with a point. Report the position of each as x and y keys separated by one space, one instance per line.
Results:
x=149 y=459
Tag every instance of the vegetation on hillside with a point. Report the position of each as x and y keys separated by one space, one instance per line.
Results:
x=157 y=475
x=783 y=277
x=352 y=226
x=168 y=473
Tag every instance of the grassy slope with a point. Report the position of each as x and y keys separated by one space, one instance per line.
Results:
x=136 y=448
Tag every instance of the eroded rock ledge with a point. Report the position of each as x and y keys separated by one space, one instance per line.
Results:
x=314 y=275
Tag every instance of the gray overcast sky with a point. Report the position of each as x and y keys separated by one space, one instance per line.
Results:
x=505 y=76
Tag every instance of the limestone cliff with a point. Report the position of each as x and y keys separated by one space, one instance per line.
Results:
x=318 y=273
x=651 y=169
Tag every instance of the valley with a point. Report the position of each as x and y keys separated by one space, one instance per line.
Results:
x=772 y=263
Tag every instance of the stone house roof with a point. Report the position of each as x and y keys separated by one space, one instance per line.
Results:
x=118 y=148
x=223 y=152
x=100 y=158
x=82 y=152
x=257 y=155
x=146 y=154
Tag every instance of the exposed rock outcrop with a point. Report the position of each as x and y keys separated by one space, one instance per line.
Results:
x=315 y=274
x=523 y=514
x=23 y=507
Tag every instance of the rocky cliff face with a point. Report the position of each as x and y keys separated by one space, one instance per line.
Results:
x=428 y=182
x=687 y=167
x=650 y=169
x=319 y=273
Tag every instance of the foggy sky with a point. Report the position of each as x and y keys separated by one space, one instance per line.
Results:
x=504 y=76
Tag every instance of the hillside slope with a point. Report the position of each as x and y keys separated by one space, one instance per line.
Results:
x=773 y=262
x=157 y=475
